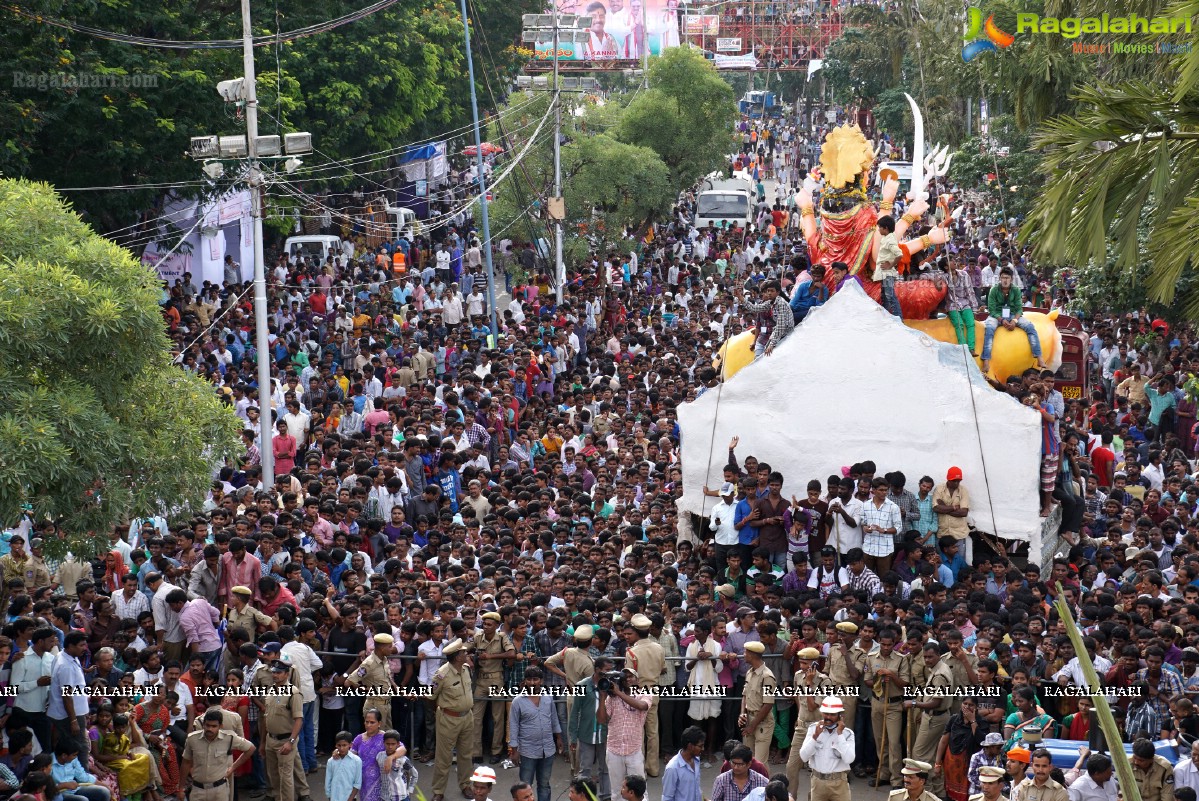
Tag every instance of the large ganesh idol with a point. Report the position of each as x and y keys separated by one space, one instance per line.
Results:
x=847 y=231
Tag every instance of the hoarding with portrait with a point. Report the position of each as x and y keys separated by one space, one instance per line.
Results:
x=620 y=30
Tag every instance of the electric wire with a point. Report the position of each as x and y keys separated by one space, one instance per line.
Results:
x=214 y=44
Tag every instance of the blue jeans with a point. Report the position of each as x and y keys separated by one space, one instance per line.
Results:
x=1024 y=325
x=541 y=769
x=308 y=736
x=257 y=765
x=212 y=660
x=88 y=792
x=890 y=301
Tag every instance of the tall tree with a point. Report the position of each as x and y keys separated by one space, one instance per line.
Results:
x=97 y=423
x=686 y=116
x=362 y=88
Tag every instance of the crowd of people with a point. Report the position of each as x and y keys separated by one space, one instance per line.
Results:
x=470 y=552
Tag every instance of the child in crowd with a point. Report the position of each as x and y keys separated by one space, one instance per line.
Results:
x=343 y=771
x=396 y=772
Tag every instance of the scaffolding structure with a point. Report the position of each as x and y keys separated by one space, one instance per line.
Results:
x=784 y=35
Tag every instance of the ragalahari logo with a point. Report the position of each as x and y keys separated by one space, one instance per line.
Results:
x=981 y=37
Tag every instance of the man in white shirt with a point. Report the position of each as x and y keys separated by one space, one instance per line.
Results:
x=31 y=677
x=1071 y=672
x=1097 y=784
x=845 y=512
x=301 y=656
x=1186 y=772
x=722 y=524
x=830 y=749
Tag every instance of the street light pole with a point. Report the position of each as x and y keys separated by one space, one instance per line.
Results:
x=645 y=47
x=559 y=262
x=474 y=110
x=261 y=333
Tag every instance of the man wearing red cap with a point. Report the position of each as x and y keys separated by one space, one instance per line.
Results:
x=951 y=502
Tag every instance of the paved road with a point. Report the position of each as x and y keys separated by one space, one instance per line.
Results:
x=859 y=788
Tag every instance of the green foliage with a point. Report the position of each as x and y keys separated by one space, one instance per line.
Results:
x=857 y=66
x=623 y=162
x=686 y=116
x=619 y=184
x=1128 y=157
x=398 y=75
x=98 y=425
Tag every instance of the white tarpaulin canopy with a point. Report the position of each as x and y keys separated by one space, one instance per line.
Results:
x=852 y=383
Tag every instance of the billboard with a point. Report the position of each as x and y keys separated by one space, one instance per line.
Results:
x=731 y=44
x=621 y=30
x=701 y=25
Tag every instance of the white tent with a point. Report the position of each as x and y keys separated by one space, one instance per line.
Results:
x=853 y=383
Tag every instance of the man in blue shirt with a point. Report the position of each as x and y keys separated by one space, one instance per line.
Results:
x=681 y=779
x=450 y=482
x=74 y=783
x=744 y=516
x=68 y=701
x=809 y=294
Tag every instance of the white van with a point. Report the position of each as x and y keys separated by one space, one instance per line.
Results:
x=401 y=223
x=901 y=170
x=315 y=249
x=724 y=202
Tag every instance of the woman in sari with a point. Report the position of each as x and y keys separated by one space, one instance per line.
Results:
x=241 y=705
x=962 y=738
x=115 y=750
x=153 y=717
x=1027 y=715
x=103 y=773
x=368 y=746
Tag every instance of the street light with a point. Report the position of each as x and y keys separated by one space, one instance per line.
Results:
x=575 y=29
x=251 y=146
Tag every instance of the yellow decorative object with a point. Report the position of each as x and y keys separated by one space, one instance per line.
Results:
x=845 y=156
x=1010 y=354
x=736 y=353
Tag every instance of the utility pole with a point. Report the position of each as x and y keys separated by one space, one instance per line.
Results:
x=474 y=110
x=644 y=46
x=262 y=343
x=559 y=262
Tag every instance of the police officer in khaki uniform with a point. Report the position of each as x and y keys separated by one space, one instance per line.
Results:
x=1154 y=774
x=887 y=673
x=756 y=720
x=934 y=706
x=573 y=664
x=373 y=675
x=649 y=660
x=961 y=663
x=990 y=778
x=264 y=679
x=915 y=776
x=831 y=748
x=808 y=680
x=1040 y=786
x=920 y=673
x=492 y=647
x=242 y=615
x=844 y=666
x=453 y=696
x=208 y=763
x=283 y=719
